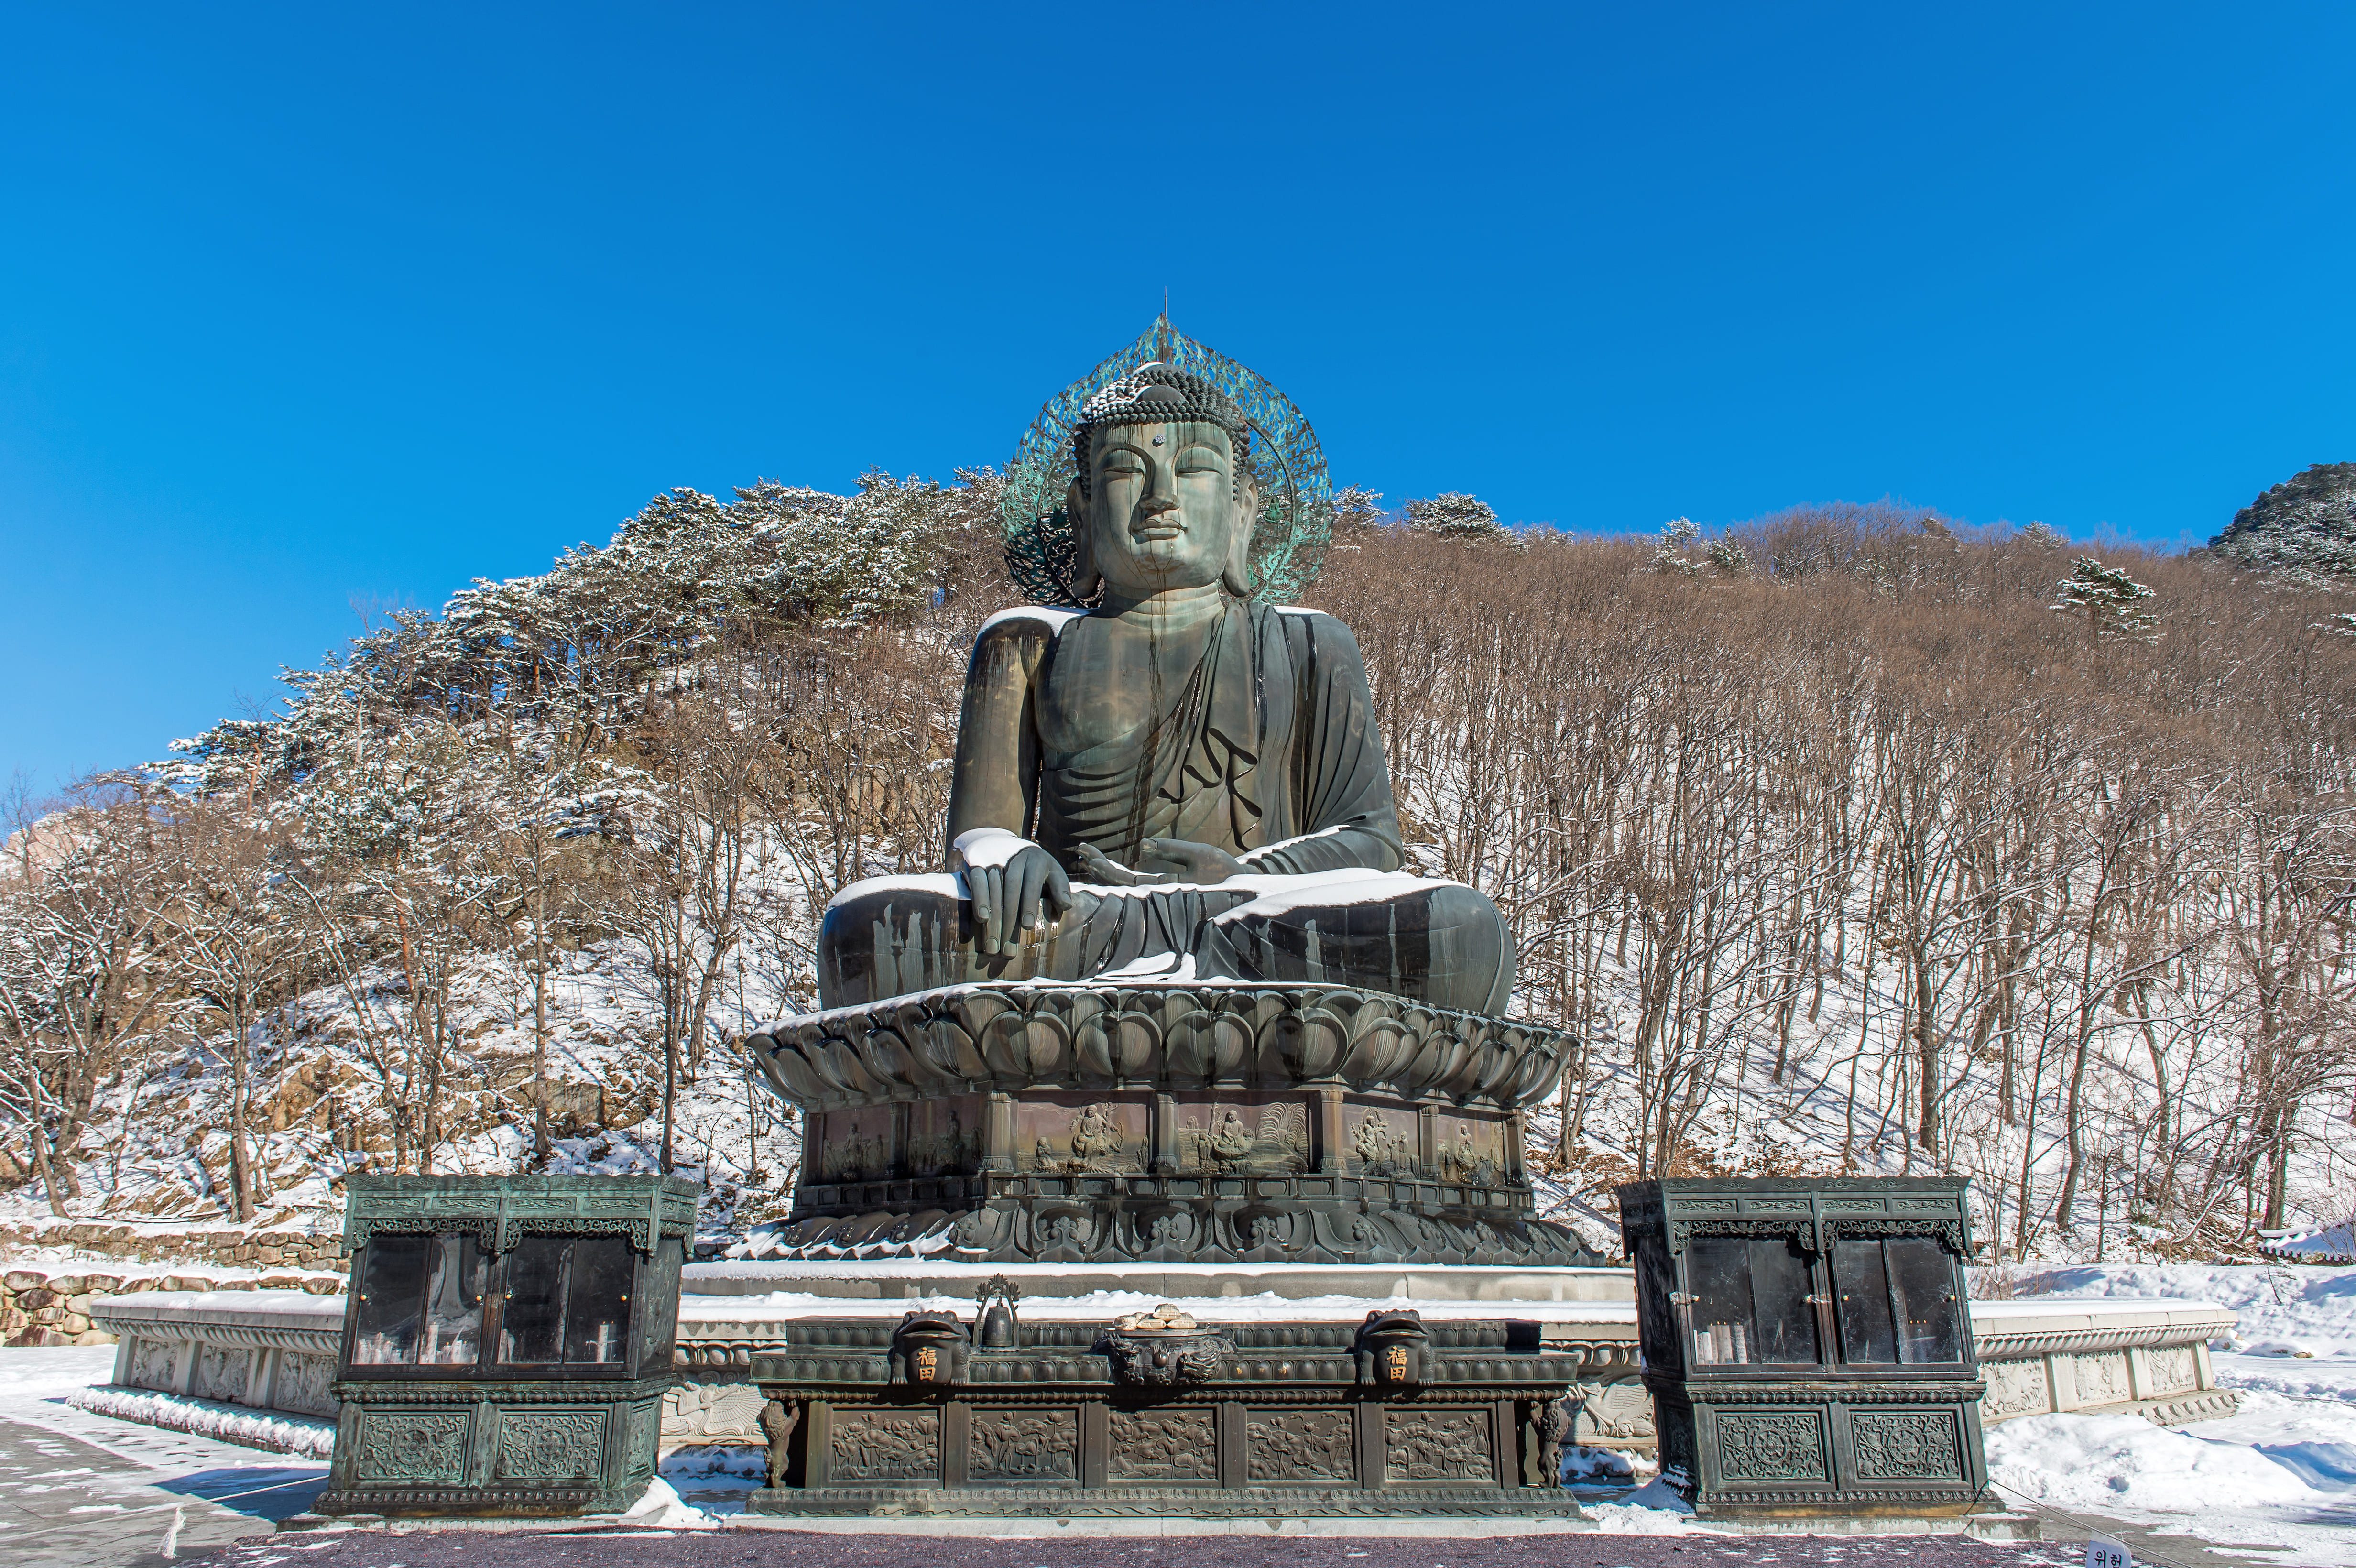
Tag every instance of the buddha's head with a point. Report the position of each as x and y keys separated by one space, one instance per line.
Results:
x=1165 y=496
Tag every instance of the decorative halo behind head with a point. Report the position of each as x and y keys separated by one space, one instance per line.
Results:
x=1166 y=375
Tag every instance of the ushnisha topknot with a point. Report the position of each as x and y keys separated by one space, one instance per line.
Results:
x=1159 y=394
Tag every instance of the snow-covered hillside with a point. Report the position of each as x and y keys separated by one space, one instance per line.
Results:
x=1835 y=844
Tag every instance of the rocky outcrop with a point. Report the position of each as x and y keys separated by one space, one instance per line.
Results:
x=2304 y=528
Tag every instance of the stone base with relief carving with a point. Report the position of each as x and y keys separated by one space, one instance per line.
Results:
x=1216 y=1122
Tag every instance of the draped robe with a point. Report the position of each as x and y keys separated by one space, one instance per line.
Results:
x=1267 y=749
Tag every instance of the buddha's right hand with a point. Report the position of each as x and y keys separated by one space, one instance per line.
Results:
x=1021 y=893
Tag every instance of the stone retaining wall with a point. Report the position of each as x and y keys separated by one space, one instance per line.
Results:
x=314 y=1250
x=49 y=1304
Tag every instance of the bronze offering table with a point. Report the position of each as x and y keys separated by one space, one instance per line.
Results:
x=1158 y=1413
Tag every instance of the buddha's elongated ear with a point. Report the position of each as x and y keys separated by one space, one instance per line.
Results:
x=1087 y=581
x=1236 y=578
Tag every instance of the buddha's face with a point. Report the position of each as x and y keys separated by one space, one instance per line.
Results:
x=1163 y=506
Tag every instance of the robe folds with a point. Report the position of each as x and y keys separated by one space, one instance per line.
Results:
x=1268 y=749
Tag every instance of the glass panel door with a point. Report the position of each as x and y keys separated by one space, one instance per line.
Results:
x=566 y=1301
x=1861 y=1300
x=1751 y=1302
x=421 y=1301
x=1930 y=1312
x=391 y=1287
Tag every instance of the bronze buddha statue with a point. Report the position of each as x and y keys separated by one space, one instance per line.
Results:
x=1176 y=783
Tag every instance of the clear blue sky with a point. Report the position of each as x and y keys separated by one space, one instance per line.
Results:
x=309 y=303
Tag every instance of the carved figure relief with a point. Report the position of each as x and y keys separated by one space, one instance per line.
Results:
x=1775 y=1445
x=151 y=1365
x=2103 y=1380
x=2172 y=1369
x=1437 y=1445
x=942 y=1142
x=304 y=1383
x=1617 y=1411
x=1223 y=1142
x=1907 y=1446
x=886 y=1444
x=1297 y=1447
x=2015 y=1388
x=778 y=1423
x=1471 y=1160
x=851 y=1154
x=1164 y=1445
x=221 y=1372
x=1381 y=1148
x=1106 y=1138
x=424 y=1448
x=563 y=1446
x=710 y=1413
x=1024 y=1445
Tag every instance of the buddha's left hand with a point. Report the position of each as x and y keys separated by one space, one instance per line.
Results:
x=1167 y=861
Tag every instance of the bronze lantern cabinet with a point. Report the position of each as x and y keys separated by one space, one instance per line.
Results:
x=1809 y=1344
x=507 y=1342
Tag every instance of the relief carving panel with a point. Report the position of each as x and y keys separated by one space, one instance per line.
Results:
x=2172 y=1370
x=1438 y=1446
x=1164 y=1445
x=151 y=1365
x=429 y=1446
x=886 y=1445
x=1382 y=1144
x=855 y=1146
x=1300 y=1447
x=944 y=1136
x=1243 y=1135
x=2015 y=1388
x=1908 y=1445
x=1094 y=1137
x=560 y=1445
x=1774 y=1445
x=221 y=1372
x=304 y=1383
x=2103 y=1380
x=1621 y=1411
x=1024 y=1446
x=1470 y=1152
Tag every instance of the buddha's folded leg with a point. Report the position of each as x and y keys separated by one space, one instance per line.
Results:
x=1440 y=943
x=896 y=935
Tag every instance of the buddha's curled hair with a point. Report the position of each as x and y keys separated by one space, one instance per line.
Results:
x=1162 y=394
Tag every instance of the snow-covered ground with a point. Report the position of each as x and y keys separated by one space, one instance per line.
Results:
x=2279 y=1474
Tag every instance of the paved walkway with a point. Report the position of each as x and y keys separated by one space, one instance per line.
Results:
x=792 y=1549
x=69 y=1503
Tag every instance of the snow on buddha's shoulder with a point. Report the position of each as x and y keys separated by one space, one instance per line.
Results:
x=1053 y=617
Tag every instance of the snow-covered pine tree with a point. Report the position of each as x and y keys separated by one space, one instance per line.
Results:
x=2111 y=603
x=1678 y=535
x=2037 y=536
x=1355 y=509
x=1452 y=515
